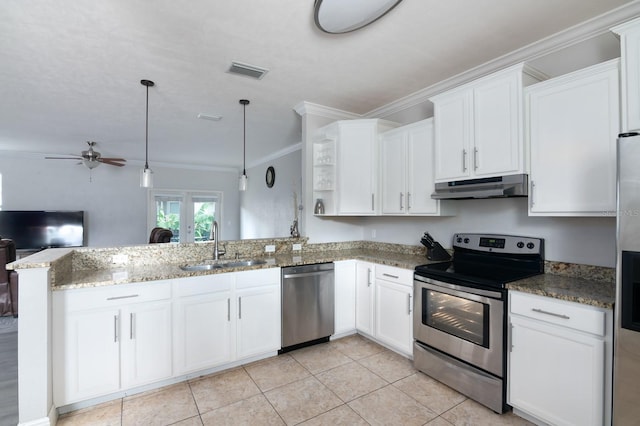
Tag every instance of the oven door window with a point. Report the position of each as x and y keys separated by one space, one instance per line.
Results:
x=460 y=317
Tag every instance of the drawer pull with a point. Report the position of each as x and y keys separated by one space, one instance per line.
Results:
x=391 y=276
x=540 y=311
x=122 y=297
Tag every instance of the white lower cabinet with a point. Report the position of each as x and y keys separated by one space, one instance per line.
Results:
x=394 y=308
x=384 y=305
x=345 y=297
x=108 y=339
x=223 y=318
x=364 y=297
x=559 y=361
x=202 y=322
x=258 y=316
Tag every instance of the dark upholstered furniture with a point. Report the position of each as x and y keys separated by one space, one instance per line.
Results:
x=160 y=235
x=8 y=279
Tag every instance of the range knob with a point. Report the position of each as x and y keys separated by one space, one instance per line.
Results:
x=530 y=246
x=466 y=241
x=459 y=240
x=520 y=244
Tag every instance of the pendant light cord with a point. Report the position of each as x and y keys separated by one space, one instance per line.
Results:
x=146 y=134
x=244 y=139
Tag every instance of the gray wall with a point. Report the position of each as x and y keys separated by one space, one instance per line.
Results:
x=115 y=205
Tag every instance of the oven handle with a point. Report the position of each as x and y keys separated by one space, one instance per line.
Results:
x=457 y=290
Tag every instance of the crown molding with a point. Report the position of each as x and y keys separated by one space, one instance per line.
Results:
x=305 y=107
x=565 y=38
x=275 y=155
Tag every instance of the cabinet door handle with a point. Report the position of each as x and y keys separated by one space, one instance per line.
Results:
x=409 y=304
x=390 y=276
x=464 y=160
x=533 y=186
x=510 y=337
x=373 y=208
x=131 y=320
x=408 y=201
x=122 y=297
x=401 y=195
x=368 y=277
x=553 y=314
x=229 y=309
x=115 y=329
x=239 y=307
x=475 y=158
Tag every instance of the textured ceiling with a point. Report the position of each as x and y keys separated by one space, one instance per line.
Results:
x=70 y=71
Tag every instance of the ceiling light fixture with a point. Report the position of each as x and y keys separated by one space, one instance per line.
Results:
x=343 y=16
x=209 y=117
x=146 y=174
x=243 y=179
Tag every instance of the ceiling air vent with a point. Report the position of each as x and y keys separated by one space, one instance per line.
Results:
x=247 y=70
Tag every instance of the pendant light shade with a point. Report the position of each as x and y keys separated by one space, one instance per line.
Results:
x=146 y=174
x=242 y=185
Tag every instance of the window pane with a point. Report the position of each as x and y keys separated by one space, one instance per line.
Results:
x=168 y=214
x=204 y=213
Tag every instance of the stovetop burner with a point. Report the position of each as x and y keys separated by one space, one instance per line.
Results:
x=488 y=261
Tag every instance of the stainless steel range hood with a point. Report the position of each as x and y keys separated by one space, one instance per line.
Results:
x=492 y=187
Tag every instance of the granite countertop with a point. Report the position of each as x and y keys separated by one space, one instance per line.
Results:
x=572 y=289
x=85 y=278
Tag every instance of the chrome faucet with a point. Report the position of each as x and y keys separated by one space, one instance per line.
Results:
x=214 y=236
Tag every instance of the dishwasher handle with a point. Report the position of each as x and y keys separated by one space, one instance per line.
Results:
x=306 y=274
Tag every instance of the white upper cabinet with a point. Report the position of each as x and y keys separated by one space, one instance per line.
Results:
x=573 y=123
x=629 y=33
x=345 y=165
x=479 y=126
x=407 y=171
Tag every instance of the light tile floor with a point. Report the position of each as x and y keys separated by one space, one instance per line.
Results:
x=350 y=381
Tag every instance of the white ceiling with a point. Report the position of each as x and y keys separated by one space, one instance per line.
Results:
x=70 y=71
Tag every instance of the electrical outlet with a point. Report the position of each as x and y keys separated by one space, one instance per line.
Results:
x=270 y=248
x=120 y=259
x=297 y=247
x=373 y=233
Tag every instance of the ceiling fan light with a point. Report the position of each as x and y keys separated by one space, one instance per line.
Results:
x=90 y=164
x=146 y=178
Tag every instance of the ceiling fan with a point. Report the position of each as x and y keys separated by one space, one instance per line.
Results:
x=91 y=158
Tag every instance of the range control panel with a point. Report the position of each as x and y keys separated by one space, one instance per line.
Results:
x=507 y=244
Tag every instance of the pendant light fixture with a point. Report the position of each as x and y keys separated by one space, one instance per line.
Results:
x=243 y=179
x=146 y=174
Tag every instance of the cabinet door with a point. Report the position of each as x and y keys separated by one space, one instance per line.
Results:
x=394 y=315
x=630 y=74
x=452 y=120
x=364 y=297
x=497 y=122
x=420 y=175
x=86 y=354
x=345 y=296
x=573 y=125
x=356 y=168
x=555 y=374
x=202 y=331
x=258 y=320
x=146 y=343
x=393 y=158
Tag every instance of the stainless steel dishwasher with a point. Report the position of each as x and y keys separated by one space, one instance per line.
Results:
x=307 y=305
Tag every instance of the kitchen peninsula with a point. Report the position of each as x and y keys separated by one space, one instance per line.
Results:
x=60 y=270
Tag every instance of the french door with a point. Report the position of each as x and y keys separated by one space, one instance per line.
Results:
x=188 y=214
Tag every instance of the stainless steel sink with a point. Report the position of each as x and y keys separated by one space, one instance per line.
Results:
x=211 y=265
x=201 y=267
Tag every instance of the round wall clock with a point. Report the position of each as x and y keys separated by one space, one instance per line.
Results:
x=271 y=176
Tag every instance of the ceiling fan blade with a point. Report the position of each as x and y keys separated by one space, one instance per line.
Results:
x=122 y=160
x=63 y=158
x=110 y=161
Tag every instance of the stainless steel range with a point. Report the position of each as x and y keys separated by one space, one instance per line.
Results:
x=460 y=315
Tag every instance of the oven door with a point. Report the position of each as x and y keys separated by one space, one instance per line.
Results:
x=463 y=322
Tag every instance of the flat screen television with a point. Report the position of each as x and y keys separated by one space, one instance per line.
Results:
x=37 y=230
